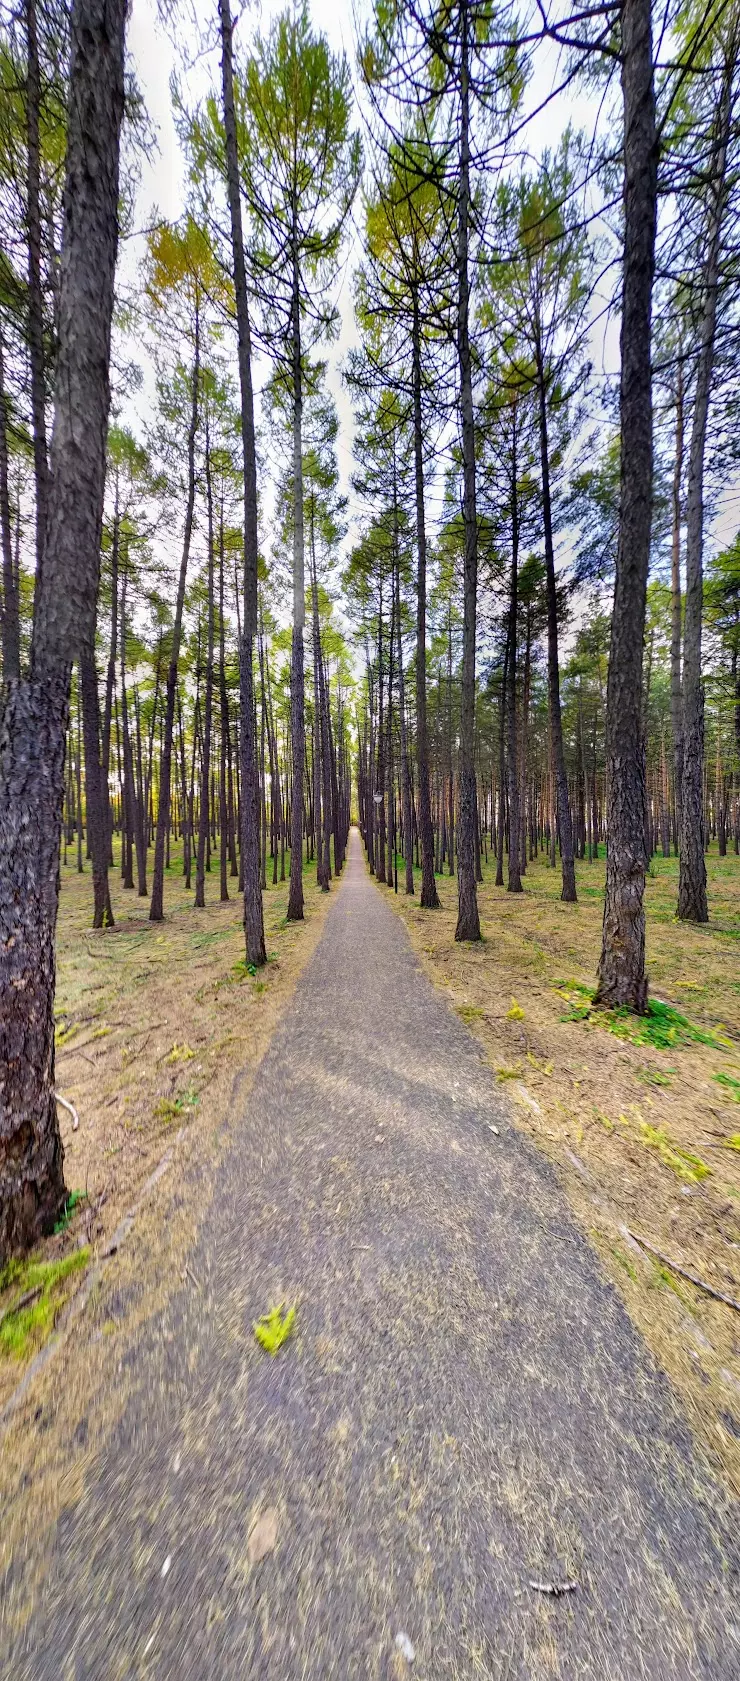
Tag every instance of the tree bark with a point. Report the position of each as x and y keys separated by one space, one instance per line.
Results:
x=565 y=821
x=156 y=907
x=224 y=777
x=676 y=691
x=429 y=896
x=35 y=709
x=514 y=884
x=96 y=800
x=254 y=929
x=621 y=978
x=468 y=922
x=692 y=879
x=408 y=851
x=200 y=864
x=35 y=292
x=297 y=692
x=11 y=633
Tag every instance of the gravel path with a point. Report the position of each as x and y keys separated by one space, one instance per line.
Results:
x=465 y=1408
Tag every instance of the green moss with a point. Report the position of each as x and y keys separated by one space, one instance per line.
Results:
x=23 y=1329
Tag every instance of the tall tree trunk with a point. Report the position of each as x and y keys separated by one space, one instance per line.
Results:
x=96 y=800
x=224 y=767
x=35 y=710
x=468 y=922
x=11 y=632
x=200 y=877
x=156 y=907
x=322 y=872
x=185 y=825
x=622 y=979
x=35 y=292
x=381 y=739
x=141 y=812
x=297 y=696
x=501 y=826
x=326 y=765
x=128 y=791
x=676 y=691
x=429 y=895
x=514 y=884
x=254 y=929
x=112 y=657
x=408 y=852
x=692 y=878
x=565 y=821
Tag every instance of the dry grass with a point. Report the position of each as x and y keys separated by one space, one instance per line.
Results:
x=642 y=1136
x=153 y=1024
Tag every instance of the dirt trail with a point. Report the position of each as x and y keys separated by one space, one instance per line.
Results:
x=464 y=1410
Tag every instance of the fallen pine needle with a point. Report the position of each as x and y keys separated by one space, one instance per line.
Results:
x=708 y=1289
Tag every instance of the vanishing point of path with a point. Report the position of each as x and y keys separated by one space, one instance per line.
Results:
x=465 y=1409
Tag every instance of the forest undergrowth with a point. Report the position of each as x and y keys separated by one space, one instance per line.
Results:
x=154 y=1022
x=640 y=1116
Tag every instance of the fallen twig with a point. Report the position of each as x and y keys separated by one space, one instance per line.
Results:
x=23 y=1301
x=554 y=1588
x=717 y=1295
x=71 y=1108
x=195 y=1280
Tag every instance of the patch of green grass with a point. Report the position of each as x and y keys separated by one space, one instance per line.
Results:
x=274 y=1328
x=63 y=1034
x=730 y=1084
x=205 y=938
x=662 y=1027
x=171 y=1108
x=654 y=1076
x=469 y=1012
x=682 y=1162
x=662 y=1277
x=22 y=1329
x=180 y=1053
x=620 y=1256
x=242 y=969
x=73 y=1201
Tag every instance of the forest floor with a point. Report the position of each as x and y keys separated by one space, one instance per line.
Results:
x=462 y=1464
x=154 y=1024
x=645 y=1134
